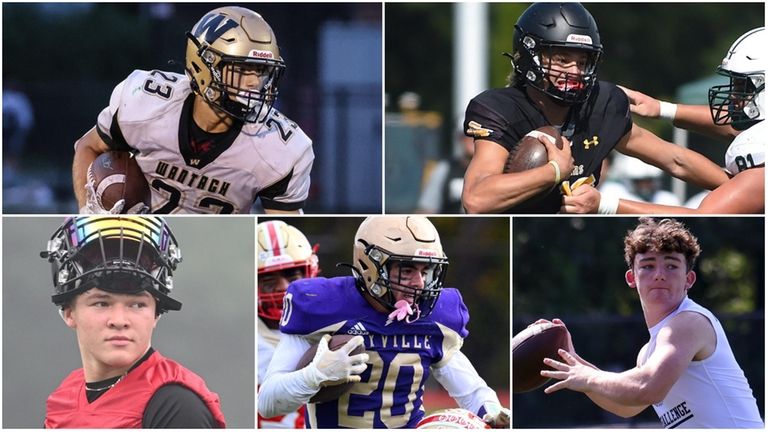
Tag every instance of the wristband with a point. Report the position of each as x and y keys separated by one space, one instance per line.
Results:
x=557 y=170
x=667 y=110
x=609 y=204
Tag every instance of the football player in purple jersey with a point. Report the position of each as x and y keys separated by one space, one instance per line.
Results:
x=410 y=326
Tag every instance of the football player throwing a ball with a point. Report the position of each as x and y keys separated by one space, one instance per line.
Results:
x=410 y=326
x=209 y=141
x=687 y=370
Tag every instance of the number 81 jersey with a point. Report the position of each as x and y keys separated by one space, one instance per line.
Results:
x=150 y=114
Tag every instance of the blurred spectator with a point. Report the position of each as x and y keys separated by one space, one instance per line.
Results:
x=630 y=178
x=444 y=180
x=18 y=119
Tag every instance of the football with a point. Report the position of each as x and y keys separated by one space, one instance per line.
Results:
x=529 y=152
x=452 y=418
x=529 y=349
x=116 y=175
x=331 y=391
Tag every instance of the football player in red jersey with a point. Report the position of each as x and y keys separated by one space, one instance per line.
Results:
x=285 y=255
x=112 y=278
x=209 y=141
x=556 y=51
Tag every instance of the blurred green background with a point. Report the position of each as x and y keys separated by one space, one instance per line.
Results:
x=478 y=251
x=573 y=269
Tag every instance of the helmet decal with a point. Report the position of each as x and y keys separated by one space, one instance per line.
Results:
x=212 y=27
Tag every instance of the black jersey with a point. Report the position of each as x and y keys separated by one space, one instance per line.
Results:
x=594 y=128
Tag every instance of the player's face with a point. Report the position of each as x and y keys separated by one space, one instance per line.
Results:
x=251 y=77
x=113 y=330
x=408 y=279
x=278 y=281
x=565 y=66
x=661 y=278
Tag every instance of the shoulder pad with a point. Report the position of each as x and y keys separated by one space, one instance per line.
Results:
x=145 y=95
x=747 y=150
x=317 y=304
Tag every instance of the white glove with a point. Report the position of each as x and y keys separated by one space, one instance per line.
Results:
x=138 y=208
x=496 y=416
x=335 y=367
x=92 y=205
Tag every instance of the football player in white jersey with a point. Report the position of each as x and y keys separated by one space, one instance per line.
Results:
x=735 y=110
x=687 y=370
x=285 y=255
x=209 y=141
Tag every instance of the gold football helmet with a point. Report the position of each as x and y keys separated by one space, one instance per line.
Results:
x=281 y=247
x=382 y=240
x=234 y=63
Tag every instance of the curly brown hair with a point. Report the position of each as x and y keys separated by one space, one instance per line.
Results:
x=665 y=235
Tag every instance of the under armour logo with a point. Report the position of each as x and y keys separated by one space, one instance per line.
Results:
x=588 y=143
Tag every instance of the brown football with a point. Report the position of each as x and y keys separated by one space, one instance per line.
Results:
x=116 y=175
x=529 y=152
x=329 y=391
x=529 y=349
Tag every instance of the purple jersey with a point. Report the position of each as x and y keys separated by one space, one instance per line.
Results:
x=389 y=394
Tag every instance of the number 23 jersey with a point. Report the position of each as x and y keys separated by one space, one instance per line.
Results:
x=150 y=114
x=389 y=394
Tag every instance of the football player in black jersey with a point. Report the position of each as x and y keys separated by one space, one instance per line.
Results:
x=556 y=50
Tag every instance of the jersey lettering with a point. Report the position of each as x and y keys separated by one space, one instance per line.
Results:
x=745 y=162
x=285 y=135
x=396 y=389
x=164 y=91
x=174 y=198
x=287 y=309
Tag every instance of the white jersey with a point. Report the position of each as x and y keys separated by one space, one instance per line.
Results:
x=150 y=113
x=267 y=340
x=711 y=393
x=747 y=150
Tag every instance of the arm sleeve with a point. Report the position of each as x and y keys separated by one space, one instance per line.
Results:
x=459 y=377
x=284 y=389
x=177 y=407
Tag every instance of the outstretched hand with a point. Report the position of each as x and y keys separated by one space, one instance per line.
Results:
x=642 y=104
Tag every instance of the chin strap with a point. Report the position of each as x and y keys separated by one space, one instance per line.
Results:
x=403 y=311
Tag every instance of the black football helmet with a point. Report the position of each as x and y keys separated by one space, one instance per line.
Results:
x=126 y=254
x=544 y=26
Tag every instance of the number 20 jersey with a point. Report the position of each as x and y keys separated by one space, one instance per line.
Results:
x=150 y=113
x=390 y=392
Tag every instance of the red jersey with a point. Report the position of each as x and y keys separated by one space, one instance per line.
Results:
x=123 y=406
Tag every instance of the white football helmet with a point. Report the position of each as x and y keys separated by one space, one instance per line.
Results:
x=383 y=240
x=234 y=63
x=454 y=418
x=741 y=103
x=281 y=247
